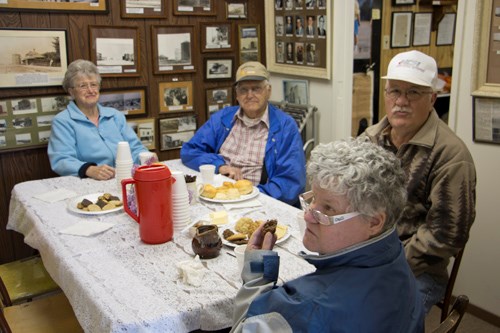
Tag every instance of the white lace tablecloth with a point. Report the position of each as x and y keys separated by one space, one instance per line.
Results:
x=116 y=283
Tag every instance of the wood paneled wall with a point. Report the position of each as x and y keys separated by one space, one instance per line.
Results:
x=30 y=164
x=442 y=54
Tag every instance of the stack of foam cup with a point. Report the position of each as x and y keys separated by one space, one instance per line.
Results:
x=124 y=162
x=180 y=202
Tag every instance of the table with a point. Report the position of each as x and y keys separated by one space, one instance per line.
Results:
x=116 y=283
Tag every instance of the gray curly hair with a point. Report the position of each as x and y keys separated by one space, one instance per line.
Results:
x=77 y=68
x=371 y=177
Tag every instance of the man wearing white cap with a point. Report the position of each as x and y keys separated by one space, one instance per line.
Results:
x=255 y=140
x=441 y=187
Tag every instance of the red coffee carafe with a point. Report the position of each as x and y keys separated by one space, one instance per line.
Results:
x=153 y=193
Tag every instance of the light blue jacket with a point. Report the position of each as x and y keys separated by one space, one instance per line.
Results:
x=75 y=140
x=284 y=158
x=368 y=287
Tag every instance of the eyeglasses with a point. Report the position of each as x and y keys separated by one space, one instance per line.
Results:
x=305 y=202
x=411 y=94
x=257 y=90
x=87 y=86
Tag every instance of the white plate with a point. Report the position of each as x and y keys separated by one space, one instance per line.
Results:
x=244 y=197
x=231 y=227
x=92 y=197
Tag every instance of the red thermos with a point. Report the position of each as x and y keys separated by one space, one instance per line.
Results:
x=153 y=193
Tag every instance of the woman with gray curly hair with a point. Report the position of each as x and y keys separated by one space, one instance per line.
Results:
x=84 y=137
x=362 y=281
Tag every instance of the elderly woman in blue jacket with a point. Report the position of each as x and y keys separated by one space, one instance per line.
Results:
x=254 y=141
x=84 y=137
x=362 y=281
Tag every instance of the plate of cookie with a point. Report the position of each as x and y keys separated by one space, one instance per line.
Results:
x=238 y=233
x=95 y=204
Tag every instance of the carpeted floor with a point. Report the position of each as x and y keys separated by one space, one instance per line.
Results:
x=469 y=323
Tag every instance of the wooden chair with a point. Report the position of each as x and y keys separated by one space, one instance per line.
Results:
x=47 y=314
x=444 y=304
x=450 y=324
x=25 y=279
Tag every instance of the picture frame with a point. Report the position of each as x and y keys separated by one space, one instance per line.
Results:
x=220 y=68
x=296 y=91
x=249 y=42
x=401 y=25
x=40 y=56
x=25 y=121
x=486 y=61
x=127 y=101
x=194 y=7
x=97 y=6
x=446 y=29
x=173 y=49
x=175 y=131
x=115 y=50
x=403 y=2
x=175 y=96
x=236 y=9
x=486 y=119
x=145 y=128
x=422 y=27
x=216 y=36
x=218 y=98
x=142 y=9
x=283 y=43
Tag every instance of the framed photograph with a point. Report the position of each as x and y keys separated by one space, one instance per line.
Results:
x=403 y=2
x=218 y=98
x=401 y=29
x=115 y=50
x=299 y=42
x=486 y=50
x=249 y=41
x=194 y=7
x=175 y=131
x=446 y=29
x=129 y=101
x=176 y=96
x=219 y=68
x=296 y=91
x=173 y=49
x=486 y=119
x=143 y=9
x=145 y=129
x=98 y=6
x=216 y=36
x=32 y=58
x=236 y=9
x=422 y=26
x=25 y=122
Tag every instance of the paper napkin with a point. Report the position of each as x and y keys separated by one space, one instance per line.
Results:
x=191 y=271
x=86 y=228
x=55 y=195
x=244 y=204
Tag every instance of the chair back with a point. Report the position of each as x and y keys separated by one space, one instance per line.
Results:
x=451 y=322
x=445 y=303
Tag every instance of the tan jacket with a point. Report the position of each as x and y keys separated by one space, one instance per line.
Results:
x=437 y=218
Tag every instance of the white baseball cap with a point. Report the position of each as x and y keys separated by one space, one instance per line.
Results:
x=415 y=67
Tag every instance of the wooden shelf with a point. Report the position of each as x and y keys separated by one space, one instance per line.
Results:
x=438 y=2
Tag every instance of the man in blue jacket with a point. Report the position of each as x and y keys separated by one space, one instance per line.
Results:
x=254 y=141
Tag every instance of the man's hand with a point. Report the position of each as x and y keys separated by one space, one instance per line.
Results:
x=231 y=172
x=258 y=241
x=100 y=172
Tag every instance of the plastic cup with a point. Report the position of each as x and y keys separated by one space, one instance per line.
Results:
x=207 y=173
x=147 y=157
x=302 y=224
x=239 y=251
x=123 y=152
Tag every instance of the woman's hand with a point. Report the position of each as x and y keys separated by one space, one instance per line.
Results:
x=258 y=241
x=100 y=172
x=231 y=172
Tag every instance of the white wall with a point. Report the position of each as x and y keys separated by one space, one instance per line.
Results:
x=479 y=275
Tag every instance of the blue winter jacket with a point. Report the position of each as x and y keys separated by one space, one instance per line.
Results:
x=75 y=140
x=284 y=158
x=368 y=287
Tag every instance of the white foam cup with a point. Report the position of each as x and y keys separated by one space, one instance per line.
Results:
x=147 y=156
x=123 y=152
x=239 y=251
x=179 y=187
x=207 y=173
x=302 y=224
